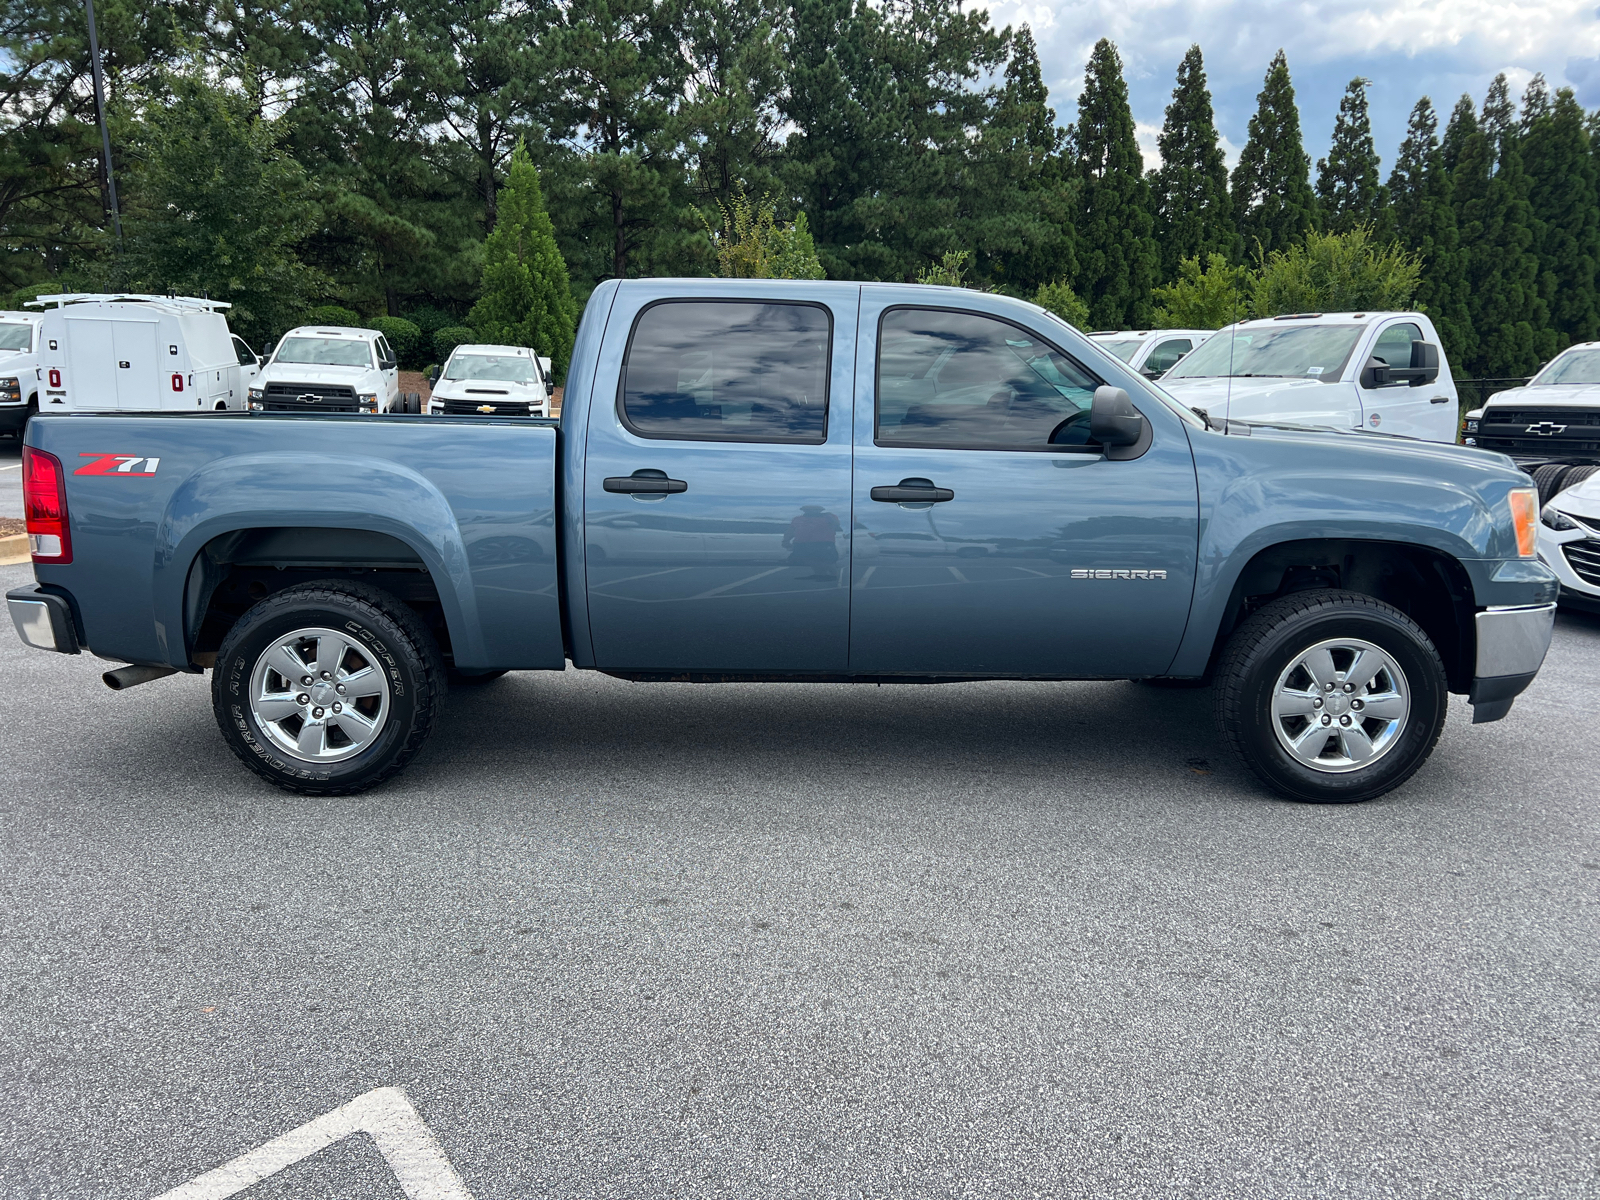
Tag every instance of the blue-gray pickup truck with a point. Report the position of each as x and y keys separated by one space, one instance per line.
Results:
x=776 y=480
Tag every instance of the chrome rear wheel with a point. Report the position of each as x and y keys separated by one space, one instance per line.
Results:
x=318 y=697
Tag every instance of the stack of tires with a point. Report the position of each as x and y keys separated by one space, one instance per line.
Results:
x=1554 y=478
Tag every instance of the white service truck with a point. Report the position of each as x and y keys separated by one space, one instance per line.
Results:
x=19 y=370
x=1382 y=371
x=329 y=369
x=127 y=352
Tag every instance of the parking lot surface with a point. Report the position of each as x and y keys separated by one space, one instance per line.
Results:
x=629 y=940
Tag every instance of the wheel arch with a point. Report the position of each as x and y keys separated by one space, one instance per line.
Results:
x=1431 y=587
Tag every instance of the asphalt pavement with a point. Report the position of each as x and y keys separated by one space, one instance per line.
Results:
x=668 y=940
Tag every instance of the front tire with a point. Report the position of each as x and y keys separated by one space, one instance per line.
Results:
x=1331 y=697
x=327 y=688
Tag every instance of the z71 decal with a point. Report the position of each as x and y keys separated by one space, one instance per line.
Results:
x=118 y=464
x=1116 y=573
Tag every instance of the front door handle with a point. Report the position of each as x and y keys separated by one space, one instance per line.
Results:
x=1440 y=400
x=913 y=491
x=645 y=482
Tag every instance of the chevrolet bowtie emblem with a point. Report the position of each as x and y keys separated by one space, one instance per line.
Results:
x=486 y=408
x=1545 y=429
x=309 y=398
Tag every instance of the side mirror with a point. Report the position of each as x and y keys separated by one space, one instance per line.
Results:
x=432 y=376
x=1375 y=374
x=1151 y=373
x=386 y=364
x=1117 y=425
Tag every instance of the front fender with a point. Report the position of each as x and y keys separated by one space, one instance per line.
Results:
x=1262 y=491
x=235 y=493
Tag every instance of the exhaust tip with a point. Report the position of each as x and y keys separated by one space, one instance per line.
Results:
x=124 y=678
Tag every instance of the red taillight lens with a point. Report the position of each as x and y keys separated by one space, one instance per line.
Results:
x=177 y=382
x=44 y=507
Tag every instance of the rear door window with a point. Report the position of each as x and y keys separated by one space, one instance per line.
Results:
x=963 y=381
x=728 y=371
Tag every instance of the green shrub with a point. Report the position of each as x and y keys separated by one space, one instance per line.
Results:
x=451 y=336
x=1208 y=299
x=404 y=338
x=430 y=319
x=1335 y=272
x=332 y=314
x=1059 y=298
x=949 y=271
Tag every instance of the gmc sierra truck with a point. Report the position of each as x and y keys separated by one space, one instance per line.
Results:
x=760 y=480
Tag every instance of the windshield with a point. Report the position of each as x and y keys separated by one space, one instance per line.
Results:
x=1575 y=366
x=15 y=337
x=1123 y=348
x=324 y=352
x=1317 y=351
x=501 y=368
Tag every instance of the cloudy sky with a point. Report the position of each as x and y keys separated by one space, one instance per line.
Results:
x=1408 y=48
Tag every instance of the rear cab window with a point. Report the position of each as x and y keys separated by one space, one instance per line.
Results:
x=728 y=371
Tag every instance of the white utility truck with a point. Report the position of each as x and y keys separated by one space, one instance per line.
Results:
x=19 y=370
x=495 y=381
x=1151 y=352
x=330 y=369
x=1381 y=371
x=125 y=352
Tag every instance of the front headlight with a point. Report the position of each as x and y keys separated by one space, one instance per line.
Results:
x=1524 y=513
x=1556 y=519
x=255 y=394
x=369 y=401
x=10 y=390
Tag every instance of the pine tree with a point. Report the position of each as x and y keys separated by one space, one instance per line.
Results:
x=1193 y=211
x=1565 y=210
x=1272 y=198
x=1492 y=211
x=526 y=300
x=1498 y=117
x=1463 y=124
x=1422 y=199
x=1348 y=188
x=1118 y=257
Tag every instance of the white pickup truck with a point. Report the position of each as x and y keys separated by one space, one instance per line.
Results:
x=318 y=369
x=1383 y=371
x=19 y=370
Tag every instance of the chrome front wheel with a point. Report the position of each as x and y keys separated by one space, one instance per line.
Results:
x=1340 y=705
x=318 y=696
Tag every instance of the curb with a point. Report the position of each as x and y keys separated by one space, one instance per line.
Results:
x=14 y=550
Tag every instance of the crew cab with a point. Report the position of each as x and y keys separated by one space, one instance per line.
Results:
x=19 y=370
x=1151 y=352
x=316 y=369
x=505 y=381
x=739 y=472
x=1550 y=427
x=1380 y=371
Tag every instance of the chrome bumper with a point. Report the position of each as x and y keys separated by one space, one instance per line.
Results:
x=42 y=620
x=1512 y=643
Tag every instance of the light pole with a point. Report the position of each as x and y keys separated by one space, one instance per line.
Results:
x=100 y=109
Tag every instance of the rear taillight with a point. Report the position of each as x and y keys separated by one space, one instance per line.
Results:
x=44 y=507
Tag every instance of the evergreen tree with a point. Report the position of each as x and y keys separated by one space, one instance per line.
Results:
x=1022 y=234
x=1422 y=198
x=214 y=206
x=1193 y=211
x=526 y=299
x=1498 y=117
x=730 y=117
x=1509 y=317
x=1463 y=124
x=1117 y=259
x=1272 y=198
x=1348 y=188
x=1565 y=211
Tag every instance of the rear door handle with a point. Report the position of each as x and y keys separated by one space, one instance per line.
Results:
x=645 y=482
x=913 y=491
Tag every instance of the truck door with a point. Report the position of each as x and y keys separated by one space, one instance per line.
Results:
x=1425 y=411
x=991 y=537
x=717 y=480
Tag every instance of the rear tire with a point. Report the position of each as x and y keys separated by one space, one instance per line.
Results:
x=1576 y=476
x=380 y=668
x=1363 y=737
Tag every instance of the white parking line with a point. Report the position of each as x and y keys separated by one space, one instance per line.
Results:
x=728 y=587
x=386 y=1114
x=12 y=467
